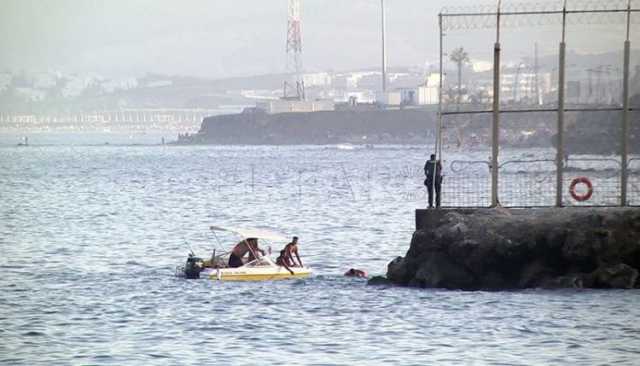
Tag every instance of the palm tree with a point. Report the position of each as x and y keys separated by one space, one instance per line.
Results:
x=461 y=58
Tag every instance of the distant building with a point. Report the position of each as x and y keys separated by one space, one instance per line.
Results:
x=515 y=86
x=5 y=80
x=427 y=95
x=393 y=98
x=110 y=86
x=32 y=94
x=357 y=96
x=43 y=80
x=428 y=92
x=422 y=94
x=288 y=106
x=356 y=79
x=317 y=79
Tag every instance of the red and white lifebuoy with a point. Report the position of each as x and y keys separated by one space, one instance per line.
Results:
x=586 y=195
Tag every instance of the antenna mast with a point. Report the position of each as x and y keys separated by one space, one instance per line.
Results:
x=294 y=46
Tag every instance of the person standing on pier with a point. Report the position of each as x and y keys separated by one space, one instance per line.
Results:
x=433 y=170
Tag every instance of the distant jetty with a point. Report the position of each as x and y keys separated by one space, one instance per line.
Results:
x=372 y=124
x=254 y=126
x=500 y=249
x=363 y=125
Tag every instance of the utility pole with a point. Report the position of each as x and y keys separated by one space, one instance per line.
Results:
x=599 y=94
x=384 y=52
x=438 y=144
x=516 y=82
x=536 y=83
x=590 y=74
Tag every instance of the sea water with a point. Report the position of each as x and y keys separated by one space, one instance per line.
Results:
x=90 y=237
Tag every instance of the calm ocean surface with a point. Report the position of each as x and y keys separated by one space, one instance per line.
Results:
x=90 y=237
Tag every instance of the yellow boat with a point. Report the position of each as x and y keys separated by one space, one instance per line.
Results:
x=260 y=269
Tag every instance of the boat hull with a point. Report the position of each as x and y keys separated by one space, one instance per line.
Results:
x=255 y=274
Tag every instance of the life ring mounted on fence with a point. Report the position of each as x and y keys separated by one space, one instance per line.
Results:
x=586 y=195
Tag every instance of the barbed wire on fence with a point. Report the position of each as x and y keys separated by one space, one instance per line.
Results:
x=548 y=13
x=475 y=166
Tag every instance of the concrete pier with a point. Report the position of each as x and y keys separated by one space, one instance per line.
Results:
x=499 y=249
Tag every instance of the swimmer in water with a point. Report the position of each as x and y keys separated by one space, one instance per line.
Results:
x=356 y=273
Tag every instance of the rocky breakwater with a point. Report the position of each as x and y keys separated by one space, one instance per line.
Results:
x=497 y=249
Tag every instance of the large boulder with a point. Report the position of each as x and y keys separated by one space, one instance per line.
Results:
x=615 y=276
x=498 y=249
x=378 y=281
x=397 y=271
x=440 y=271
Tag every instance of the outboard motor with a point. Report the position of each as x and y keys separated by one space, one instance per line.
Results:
x=193 y=267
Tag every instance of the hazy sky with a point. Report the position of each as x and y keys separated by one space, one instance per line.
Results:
x=218 y=38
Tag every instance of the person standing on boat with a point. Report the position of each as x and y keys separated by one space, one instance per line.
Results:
x=250 y=246
x=433 y=170
x=291 y=249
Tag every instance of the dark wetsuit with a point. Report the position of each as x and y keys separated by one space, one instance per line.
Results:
x=235 y=261
x=429 y=168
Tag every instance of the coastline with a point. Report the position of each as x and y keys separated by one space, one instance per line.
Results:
x=511 y=249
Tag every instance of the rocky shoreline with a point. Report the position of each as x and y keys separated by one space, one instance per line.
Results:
x=365 y=126
x=500 y=249
x=400 y=126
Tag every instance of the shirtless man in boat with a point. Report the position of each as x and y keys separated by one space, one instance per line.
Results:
x=283 y=261
x=250 y=246
x=290 y=249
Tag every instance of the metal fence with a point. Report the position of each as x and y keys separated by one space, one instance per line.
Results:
x=466 y=184
x=634 y=182
x=532 y=183
x=527 y=183
x=546 y=182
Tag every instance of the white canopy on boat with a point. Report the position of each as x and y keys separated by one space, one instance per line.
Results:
x=251 y=233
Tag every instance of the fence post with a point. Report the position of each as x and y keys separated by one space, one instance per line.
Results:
x=560 y=134
x=624 y=146
x=438 y=144
x=495 y=125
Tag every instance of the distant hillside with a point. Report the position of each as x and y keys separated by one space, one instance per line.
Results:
x=600 y=132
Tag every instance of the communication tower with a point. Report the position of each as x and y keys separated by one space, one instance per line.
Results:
x=294 y=48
